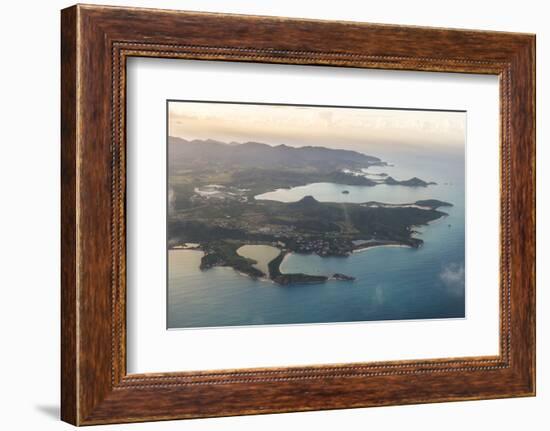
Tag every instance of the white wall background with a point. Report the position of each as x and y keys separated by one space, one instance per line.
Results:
x=29 y=227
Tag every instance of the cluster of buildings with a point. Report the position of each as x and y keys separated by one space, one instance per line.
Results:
x=322 y=247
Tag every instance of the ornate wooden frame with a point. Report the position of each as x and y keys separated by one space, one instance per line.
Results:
x=96 y=41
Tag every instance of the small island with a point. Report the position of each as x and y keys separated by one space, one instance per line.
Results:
x=413 y=182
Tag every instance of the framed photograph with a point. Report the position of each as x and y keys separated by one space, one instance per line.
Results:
x=302 y=211
x=264 y=215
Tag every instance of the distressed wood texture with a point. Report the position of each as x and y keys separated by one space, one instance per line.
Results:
x=96 y=41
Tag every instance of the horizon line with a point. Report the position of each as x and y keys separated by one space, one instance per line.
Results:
x=304 y=105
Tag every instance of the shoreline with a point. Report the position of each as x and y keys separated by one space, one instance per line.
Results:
x=370 y=247
x=307 y=278
x=431 y=222
x=283 y=256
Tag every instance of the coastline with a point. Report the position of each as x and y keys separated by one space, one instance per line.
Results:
x=430 y=223
x=186 y=246
x=370 y=247
x=276 y=276
x=444 y=216
x=221 y=258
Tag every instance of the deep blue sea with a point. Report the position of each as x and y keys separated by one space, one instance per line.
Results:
x=391 y=283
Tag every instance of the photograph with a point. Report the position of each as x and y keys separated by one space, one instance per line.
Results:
x=282 y=214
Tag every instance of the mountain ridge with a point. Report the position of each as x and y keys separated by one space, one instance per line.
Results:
x=258 y=154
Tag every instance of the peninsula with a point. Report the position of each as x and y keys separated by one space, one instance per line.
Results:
x=306 y=226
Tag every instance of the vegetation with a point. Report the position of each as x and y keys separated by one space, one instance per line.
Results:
x=433 y=203
x=286 y=279
x=413 y=182
x=224 y=253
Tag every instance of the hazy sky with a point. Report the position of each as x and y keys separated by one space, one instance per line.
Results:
x=370 y=131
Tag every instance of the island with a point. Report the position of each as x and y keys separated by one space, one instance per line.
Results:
x=212 y=205
x=412 y=182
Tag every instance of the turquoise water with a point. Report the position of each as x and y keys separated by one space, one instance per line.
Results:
x=391 y=283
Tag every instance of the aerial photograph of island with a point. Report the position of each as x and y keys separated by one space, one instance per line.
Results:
x=282 y=214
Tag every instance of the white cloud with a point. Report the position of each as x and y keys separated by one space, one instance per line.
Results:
x=453 y=275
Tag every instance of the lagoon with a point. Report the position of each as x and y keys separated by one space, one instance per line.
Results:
x=262 y=254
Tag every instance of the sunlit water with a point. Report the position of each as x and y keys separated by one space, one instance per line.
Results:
x=391 y=283
x=262 y=254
